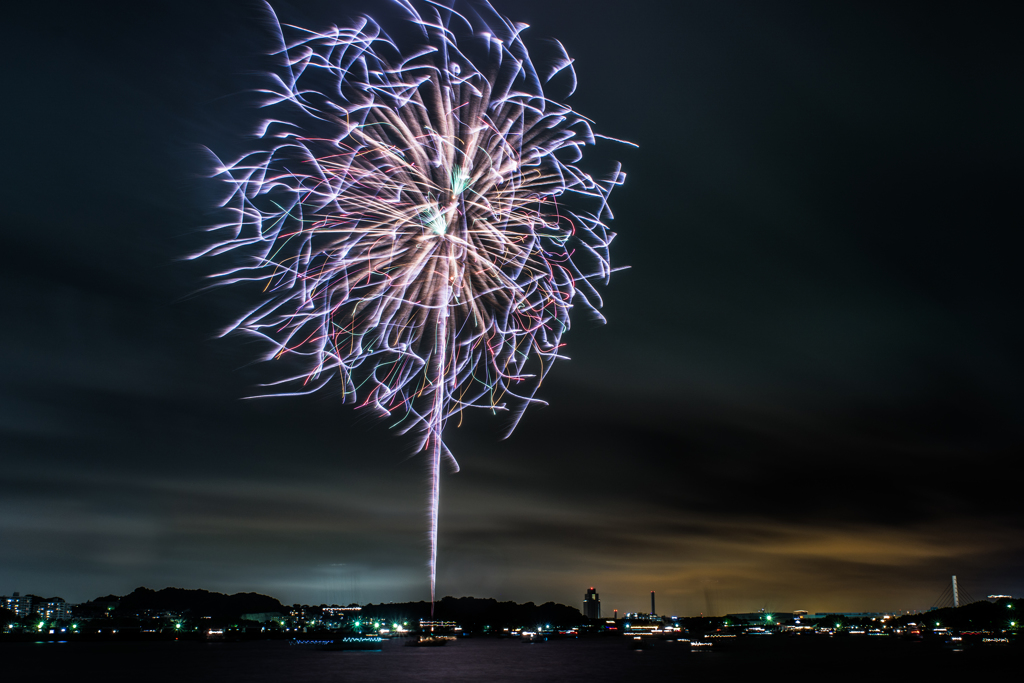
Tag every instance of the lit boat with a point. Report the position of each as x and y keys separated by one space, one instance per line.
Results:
x=429 y=641
x=639 y=643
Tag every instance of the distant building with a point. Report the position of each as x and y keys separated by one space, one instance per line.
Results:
x=18 y=603
x=591 y=605
x=341 y=611
x=774 y=618
x=50 y=609
x=849 y=615
x=641 y=618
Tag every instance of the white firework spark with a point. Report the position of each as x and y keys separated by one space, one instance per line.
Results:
x=418 y=220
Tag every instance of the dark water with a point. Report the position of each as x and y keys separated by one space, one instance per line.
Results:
x=592 y=661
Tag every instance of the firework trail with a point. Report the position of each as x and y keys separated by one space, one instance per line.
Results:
x=408 y=217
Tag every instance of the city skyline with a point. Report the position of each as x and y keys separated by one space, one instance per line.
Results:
x=807 y=395
x=56 y=608
x=590 y=606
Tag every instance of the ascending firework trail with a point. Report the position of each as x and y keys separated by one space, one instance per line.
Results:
x=417 y=219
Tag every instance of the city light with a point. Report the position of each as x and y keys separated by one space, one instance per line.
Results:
x=303 y=618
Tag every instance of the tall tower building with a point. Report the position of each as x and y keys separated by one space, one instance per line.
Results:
x=591 y=605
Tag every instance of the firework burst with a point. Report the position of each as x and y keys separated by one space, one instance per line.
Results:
x=417 y=220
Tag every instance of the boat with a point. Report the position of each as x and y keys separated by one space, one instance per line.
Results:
x=429 y=641
x=700 y=645
x=639 y=643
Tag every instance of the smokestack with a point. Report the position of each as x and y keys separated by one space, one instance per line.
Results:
x=616 y=617
x=653 y=611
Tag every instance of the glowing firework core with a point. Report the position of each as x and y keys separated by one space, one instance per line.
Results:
x=404 y=217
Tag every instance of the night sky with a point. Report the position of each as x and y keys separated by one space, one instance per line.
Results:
x=808 y=395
